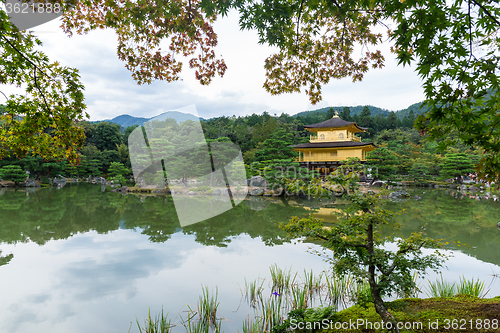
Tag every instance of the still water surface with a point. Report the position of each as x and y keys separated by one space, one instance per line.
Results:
x=79 y=260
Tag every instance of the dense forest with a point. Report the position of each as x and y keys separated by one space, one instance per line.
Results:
x=265 y=138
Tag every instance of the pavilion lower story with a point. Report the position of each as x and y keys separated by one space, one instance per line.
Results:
x=324 y=168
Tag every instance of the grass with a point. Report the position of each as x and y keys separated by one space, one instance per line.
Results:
x=282 y=280
x=314 y=284
x=271 y=313
x=360 y=292
x=471 y=288
x=338 y=289
x=444 y=289
x=204 y=318
x=160 y=324
x=441 y=288
x=251 y=326
x=253 y=292
x=300 y=297
x=291 y=298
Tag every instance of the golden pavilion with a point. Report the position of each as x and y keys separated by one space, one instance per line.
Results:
x=332 y=141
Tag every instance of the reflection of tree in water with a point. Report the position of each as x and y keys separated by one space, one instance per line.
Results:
x=5 y=260
x=49 y=214
x=12 y=200
x=244 y=219
x=456 y=219
x=156 y=217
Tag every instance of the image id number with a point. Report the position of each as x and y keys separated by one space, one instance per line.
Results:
x=478 y=324
x=30 y=8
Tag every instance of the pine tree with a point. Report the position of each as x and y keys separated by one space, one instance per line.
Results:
x=456 y=165
x=13 y=173
x=346 y=114
x=330 y=114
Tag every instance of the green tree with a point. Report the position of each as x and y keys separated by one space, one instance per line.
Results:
x=277 y=146
x=330 y=113
x=346 y=114
x=13 y=173
x=127 y=131
x=456 y=165
x=384 y=162
x=262 y=133
x=107 y=157
x=392 y=121
x=123 y=151
x=117 y=171
x=94 y=167
x=366 y=120
x=43 y=120
x=409 y=121
x=107 y=136
x=71 y=170
x=419 y=169
x=357 y=245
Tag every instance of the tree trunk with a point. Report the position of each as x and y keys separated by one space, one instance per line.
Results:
x=378 y=303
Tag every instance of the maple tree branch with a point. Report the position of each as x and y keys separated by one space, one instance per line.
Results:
x=470 y=27
x=298 y=22
x=22 y=55
x=487 y=12
x=35 y=68
x=40 y=91
x=393 y=266
x=493 y=127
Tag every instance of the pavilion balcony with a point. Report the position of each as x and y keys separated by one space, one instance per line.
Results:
x=322 y=159
x=315 y=138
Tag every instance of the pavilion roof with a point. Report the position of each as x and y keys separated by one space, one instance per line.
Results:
x=335 y=122
x=338 y=144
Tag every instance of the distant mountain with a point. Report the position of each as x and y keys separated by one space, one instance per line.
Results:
x=126 y=120
x=417 y=109
x=356 y=110
x=178 y=116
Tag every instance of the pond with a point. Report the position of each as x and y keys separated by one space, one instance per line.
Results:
x=80 y=260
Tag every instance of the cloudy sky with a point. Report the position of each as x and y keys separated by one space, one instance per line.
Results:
x=111 y=91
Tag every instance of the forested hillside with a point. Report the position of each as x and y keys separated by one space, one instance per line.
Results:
x=264 y=140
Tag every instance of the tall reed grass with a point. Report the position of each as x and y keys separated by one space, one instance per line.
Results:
x=300 y=297
x=271 y=313
x=203 y=319
x=282 y=280
x=253 y=291
x=314 y=284
x=338 y=289
x=160 y=324
x=441 y=288
x=471 y=288
x=290 y=293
